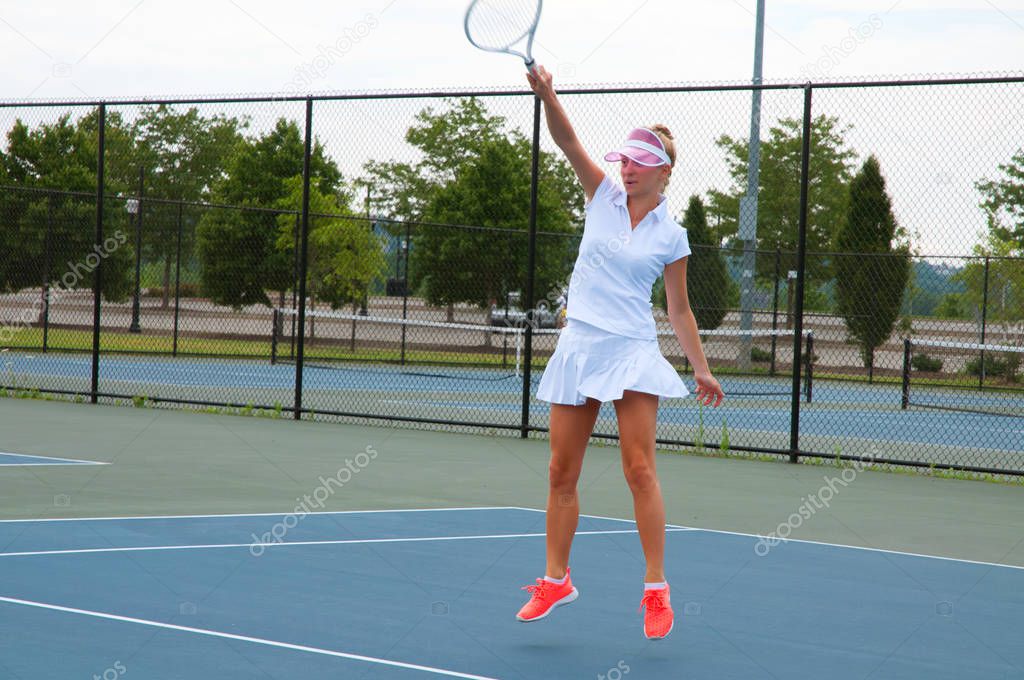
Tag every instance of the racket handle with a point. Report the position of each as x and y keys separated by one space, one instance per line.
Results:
x=531 y=65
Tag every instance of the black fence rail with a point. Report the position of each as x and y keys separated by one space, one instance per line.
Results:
x=406 y=257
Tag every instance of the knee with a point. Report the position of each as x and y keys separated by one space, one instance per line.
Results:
x=562 y=475
x=641 y=477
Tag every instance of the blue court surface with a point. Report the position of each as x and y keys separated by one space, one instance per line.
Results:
x=11 y=459
x=433 y=593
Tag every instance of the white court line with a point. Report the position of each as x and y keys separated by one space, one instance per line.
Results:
x=244 y=638
x=615 y=519
x=833 y=545
x=50 y=460
x=249 y=514
x=262 y=546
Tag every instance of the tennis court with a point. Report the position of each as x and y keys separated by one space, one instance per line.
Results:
x=307 y=549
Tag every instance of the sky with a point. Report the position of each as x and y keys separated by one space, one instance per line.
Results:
x=63 y=50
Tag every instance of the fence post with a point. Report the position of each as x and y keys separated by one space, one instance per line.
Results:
x=177 y=280
x=295 y=287
x=810 y=366
x=98 y=277
x=775 y=308
x=905 y=401
x=405 y=284
x=275 y=320
x=531 y=266
x=134 y=327
x=46 y=271
x=794 y=420
x=984 y=323
x=303 y=259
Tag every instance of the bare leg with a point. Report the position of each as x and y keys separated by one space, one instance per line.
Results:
x=637 y=415
x=571 y=427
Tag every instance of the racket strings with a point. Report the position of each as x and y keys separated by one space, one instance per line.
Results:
x=499 y=24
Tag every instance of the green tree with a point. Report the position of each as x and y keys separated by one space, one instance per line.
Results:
x=778 y=215
x=49 y=217
x=472 y=188
x=182 y=154
x=1003 y=203
x=238 y=253
x=873 y=266
x=708 y=282
x=1005 y=300
x=344 y=256
x=951 y=306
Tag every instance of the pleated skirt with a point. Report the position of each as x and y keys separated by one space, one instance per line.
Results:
x=592 y=362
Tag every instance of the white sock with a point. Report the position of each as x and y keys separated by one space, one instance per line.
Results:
x=559 y=581
x=655 y=586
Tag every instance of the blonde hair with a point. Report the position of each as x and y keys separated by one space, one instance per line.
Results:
x=665 y=135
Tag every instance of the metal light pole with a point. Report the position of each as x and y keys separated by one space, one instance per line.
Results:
x=134 y=205
x=748 y=203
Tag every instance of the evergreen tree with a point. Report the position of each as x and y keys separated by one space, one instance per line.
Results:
x=873 y=264
x=707 y=278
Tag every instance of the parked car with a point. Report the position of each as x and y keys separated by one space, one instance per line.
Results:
x=512 y=315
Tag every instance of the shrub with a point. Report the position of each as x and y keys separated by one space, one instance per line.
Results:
x=923 y=362
x=994 y=366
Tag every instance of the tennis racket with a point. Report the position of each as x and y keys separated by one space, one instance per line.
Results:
x=497 y=25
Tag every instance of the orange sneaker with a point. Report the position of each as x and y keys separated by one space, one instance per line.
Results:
x=658 y=619
x=545 y=596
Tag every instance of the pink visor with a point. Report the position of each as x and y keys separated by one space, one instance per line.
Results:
x=642 y=146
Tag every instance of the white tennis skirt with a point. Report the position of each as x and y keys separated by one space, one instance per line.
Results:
x=592 y=362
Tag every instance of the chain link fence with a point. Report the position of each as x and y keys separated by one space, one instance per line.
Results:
x=385 y=258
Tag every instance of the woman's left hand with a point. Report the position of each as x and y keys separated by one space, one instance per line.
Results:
x=708 y=389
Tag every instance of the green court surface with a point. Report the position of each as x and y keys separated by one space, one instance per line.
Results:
x=173 y=462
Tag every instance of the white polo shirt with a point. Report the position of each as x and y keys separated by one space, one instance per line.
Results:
x=617 y=266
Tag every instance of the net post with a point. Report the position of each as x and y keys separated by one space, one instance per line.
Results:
x=905 y=401
x=809 y=359
x=805 y=163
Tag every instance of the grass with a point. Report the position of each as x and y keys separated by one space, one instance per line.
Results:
x=31 y=339
x=967 y=381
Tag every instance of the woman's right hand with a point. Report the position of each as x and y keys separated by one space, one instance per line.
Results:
x=541 y=83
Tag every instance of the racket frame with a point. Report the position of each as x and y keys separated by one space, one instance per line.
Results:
x=529 y=33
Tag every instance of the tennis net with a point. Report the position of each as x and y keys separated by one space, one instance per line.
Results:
x=963 y=377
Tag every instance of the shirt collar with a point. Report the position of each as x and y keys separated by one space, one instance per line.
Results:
x=660 y=211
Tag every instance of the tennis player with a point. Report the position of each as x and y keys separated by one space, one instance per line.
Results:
x=608 y=350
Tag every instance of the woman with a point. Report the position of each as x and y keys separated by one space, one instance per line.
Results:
x=609 y=350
